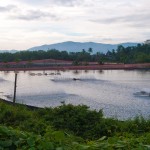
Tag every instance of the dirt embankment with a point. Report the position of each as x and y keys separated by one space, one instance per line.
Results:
x=88 y=67
x=52 y=64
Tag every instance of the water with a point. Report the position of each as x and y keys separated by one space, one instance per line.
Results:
x=110 y=90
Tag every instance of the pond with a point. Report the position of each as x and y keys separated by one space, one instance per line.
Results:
x=114 y=91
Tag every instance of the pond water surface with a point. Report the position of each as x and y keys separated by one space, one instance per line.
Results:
x=110 y=90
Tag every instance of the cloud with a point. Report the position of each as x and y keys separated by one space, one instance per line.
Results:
x=34 y=15
x=67 y=2
x=51 y=2
x=7 y=8
x=138 y=20
x=35 y=21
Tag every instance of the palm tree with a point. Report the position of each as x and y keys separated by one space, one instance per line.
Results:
x=90 y=50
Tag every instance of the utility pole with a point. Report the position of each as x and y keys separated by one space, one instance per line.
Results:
x=15 y=86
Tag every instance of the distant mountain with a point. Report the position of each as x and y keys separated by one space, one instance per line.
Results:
x=8 y=51
x=77 y=46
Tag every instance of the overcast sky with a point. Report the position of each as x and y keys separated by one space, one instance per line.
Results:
x=28 y=23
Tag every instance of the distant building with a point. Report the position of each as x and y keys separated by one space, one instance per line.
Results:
x=147 y=42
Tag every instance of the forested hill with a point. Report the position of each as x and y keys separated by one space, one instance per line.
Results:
x=78 y=46
x=134 y=54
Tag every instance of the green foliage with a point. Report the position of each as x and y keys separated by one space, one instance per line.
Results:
x=58 y=128
x=76 y=63
x=52 y=140
x=78 y=120
x=58 y=140
x=74 y=118
x=21 y=117
x=134 y=54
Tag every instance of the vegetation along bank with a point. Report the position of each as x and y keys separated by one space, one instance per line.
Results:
x=69 y=127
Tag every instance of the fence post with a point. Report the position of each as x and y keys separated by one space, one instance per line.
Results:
x=15 y=86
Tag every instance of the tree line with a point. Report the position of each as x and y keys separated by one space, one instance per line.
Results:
x=134 y=54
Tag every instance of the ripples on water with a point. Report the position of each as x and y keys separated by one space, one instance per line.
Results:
x=112 y=91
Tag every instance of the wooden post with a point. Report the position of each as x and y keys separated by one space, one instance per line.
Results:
x=15 y=86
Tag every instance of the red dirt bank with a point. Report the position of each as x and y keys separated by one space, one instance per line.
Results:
x=88 y=67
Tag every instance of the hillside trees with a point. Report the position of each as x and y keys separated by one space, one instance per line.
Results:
x=134 y=54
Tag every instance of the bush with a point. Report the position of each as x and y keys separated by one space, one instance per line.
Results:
x=58 y=140
x=77 y=120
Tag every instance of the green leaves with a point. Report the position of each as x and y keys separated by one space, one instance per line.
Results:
x=40 y=130
x=58 y=135
x=31 y=141
x=5 y=144
x=58 y=140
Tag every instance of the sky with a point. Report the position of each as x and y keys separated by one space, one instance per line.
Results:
x=28 y=23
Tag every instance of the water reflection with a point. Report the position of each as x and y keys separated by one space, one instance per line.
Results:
x=100 y=71
x=86 y=71
x=77 y=72
x=5 y=73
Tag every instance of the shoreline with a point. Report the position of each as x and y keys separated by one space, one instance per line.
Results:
x=88 y=67
x=19 y=104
